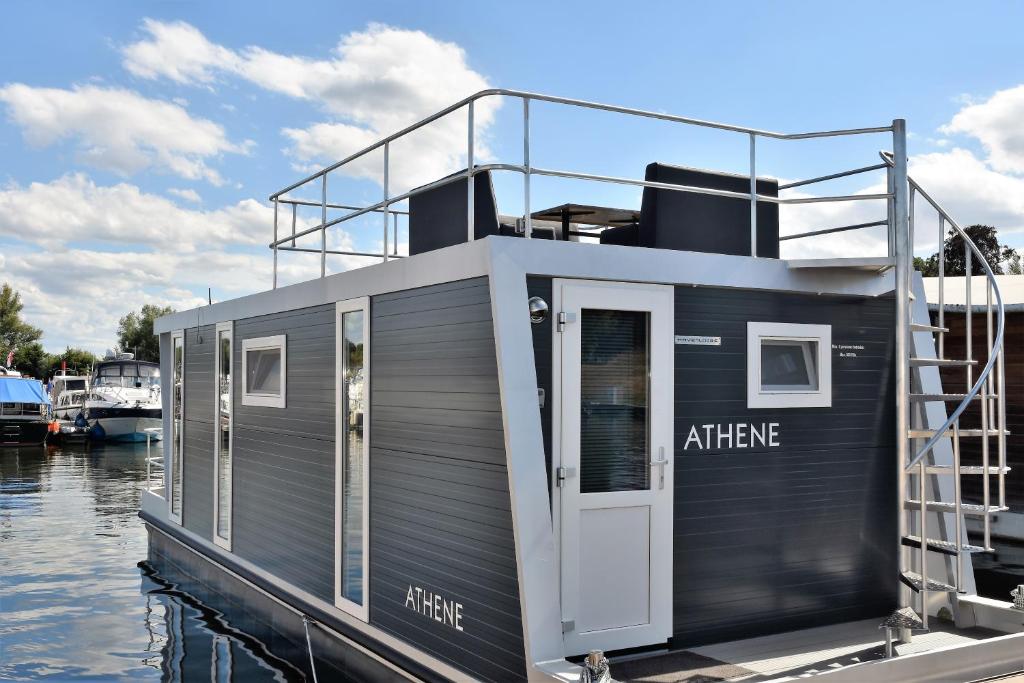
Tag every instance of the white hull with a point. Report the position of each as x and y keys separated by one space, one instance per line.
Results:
x=127 y=428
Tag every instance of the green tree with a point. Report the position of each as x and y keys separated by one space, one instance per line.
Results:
x=985 y=238
x=14 y=332
x=31 y=360
x=135 y=332
x=78 y=361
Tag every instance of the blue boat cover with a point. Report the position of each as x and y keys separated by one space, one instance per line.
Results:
x=21 y=390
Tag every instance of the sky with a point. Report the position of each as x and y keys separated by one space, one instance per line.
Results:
x=140 y=141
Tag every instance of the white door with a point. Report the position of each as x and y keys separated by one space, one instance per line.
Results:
x=614 y=463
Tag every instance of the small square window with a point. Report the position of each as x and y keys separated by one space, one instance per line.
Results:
x=789 y=365
x=264 y=364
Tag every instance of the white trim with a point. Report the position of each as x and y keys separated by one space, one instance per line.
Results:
x=229 y=328
x=175 y=438
x=279 y=342
x=341 y=308
x=819 y=396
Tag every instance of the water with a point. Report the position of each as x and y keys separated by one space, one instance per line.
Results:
x=77 y=600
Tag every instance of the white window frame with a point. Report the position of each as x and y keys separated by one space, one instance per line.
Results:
x=229 y=328
x=820 y=397
x=351 y=305
x=279 y=341
x=176 y=518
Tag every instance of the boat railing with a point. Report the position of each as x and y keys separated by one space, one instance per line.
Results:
x=155 y=477
x=386 y=207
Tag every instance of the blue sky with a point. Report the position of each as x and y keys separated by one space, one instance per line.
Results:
x=141 y=140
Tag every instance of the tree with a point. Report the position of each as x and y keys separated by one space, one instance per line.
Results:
x=31 y=360
x=14 y=332
x=135 y=332
x=984 y=237
x=78 y=361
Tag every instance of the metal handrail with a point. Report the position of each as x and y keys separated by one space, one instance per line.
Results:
x=997 y=344
x=528 y=171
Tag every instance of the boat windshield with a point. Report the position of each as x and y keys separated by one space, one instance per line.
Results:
x=127 y=374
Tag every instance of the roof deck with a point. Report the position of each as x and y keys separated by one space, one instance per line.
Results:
x=682 y=208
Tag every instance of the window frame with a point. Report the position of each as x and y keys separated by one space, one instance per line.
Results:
x=222 y=328
x=279 y=342
x=360 y=611
x=176 y=518
x=758 y=396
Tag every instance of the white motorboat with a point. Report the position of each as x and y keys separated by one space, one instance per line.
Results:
x=68 y=394
x=123 y=399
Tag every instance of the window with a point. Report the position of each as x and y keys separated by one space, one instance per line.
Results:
x=789 y=365
x=352 y=462
x=264 y=366
x=223 y=468
x=177 y=423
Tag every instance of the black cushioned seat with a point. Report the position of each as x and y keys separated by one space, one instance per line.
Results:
x=437 y=217
x=697 y=222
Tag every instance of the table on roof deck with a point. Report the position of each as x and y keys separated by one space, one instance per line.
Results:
x=583 y=214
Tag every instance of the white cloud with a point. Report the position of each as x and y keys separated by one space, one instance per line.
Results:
x=74 y=208
x=377 y=81
x=120 y=130
x=188 y=194
x=998 y=123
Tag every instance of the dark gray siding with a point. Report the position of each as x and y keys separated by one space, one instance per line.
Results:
x=774 y=539
x=197 y=502
x=440 y=511
x=283 y=495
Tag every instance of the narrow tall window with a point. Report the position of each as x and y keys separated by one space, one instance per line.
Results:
x=352 y=464
x=223 y=468
x=177 y=422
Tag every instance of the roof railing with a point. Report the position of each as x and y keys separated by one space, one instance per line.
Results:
x=390 y=215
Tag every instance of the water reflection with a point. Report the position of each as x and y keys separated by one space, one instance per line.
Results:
x=77 y=600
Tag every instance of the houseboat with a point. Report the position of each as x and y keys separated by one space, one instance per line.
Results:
x=538 y=442
x=24 y=411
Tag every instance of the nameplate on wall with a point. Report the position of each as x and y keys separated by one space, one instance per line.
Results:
x=697 y=340
x=708 y=437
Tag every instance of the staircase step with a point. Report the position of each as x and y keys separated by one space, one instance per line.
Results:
x=944 y=547
x=971 y=509
x=918 y=327
x=965 y=469
x=873 y=263
x=928 y=433
x=940 y=362
x=913 y=580
x=947 y=397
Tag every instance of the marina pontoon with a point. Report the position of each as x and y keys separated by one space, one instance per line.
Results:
x=526 y=435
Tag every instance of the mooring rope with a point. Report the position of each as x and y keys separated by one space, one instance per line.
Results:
x=309 y=647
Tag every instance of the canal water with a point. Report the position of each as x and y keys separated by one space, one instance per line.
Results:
x=78 y=601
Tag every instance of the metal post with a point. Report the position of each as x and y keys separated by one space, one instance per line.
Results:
x=990 y=381
x=910 y=223
x=968 y=314
x=1001 y=422
x=889 y=185
x=942 y=280
x=923 y=492
x=394 y=247
x=275 y=243
x=470 y=205
x=526 y=165
x=900 y=237
x=323 y=226
x=753 y=195
x=958 y=520
x=385 y=207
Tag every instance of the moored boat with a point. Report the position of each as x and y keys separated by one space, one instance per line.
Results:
x=24 y=411
x=123 y=399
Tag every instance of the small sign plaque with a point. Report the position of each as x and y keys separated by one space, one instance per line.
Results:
x=698 y=340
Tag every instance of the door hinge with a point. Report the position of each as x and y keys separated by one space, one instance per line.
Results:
x=563 y=473
x=565 y=317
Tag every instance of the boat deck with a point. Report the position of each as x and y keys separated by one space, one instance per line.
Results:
x=785 y=655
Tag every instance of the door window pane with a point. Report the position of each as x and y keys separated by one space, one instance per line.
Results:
x=614 y=401
x=263 y=371
x=177 y=396
x=224 y=441
x=354 y=400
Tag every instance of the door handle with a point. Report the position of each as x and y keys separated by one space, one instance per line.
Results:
x=660 y=464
